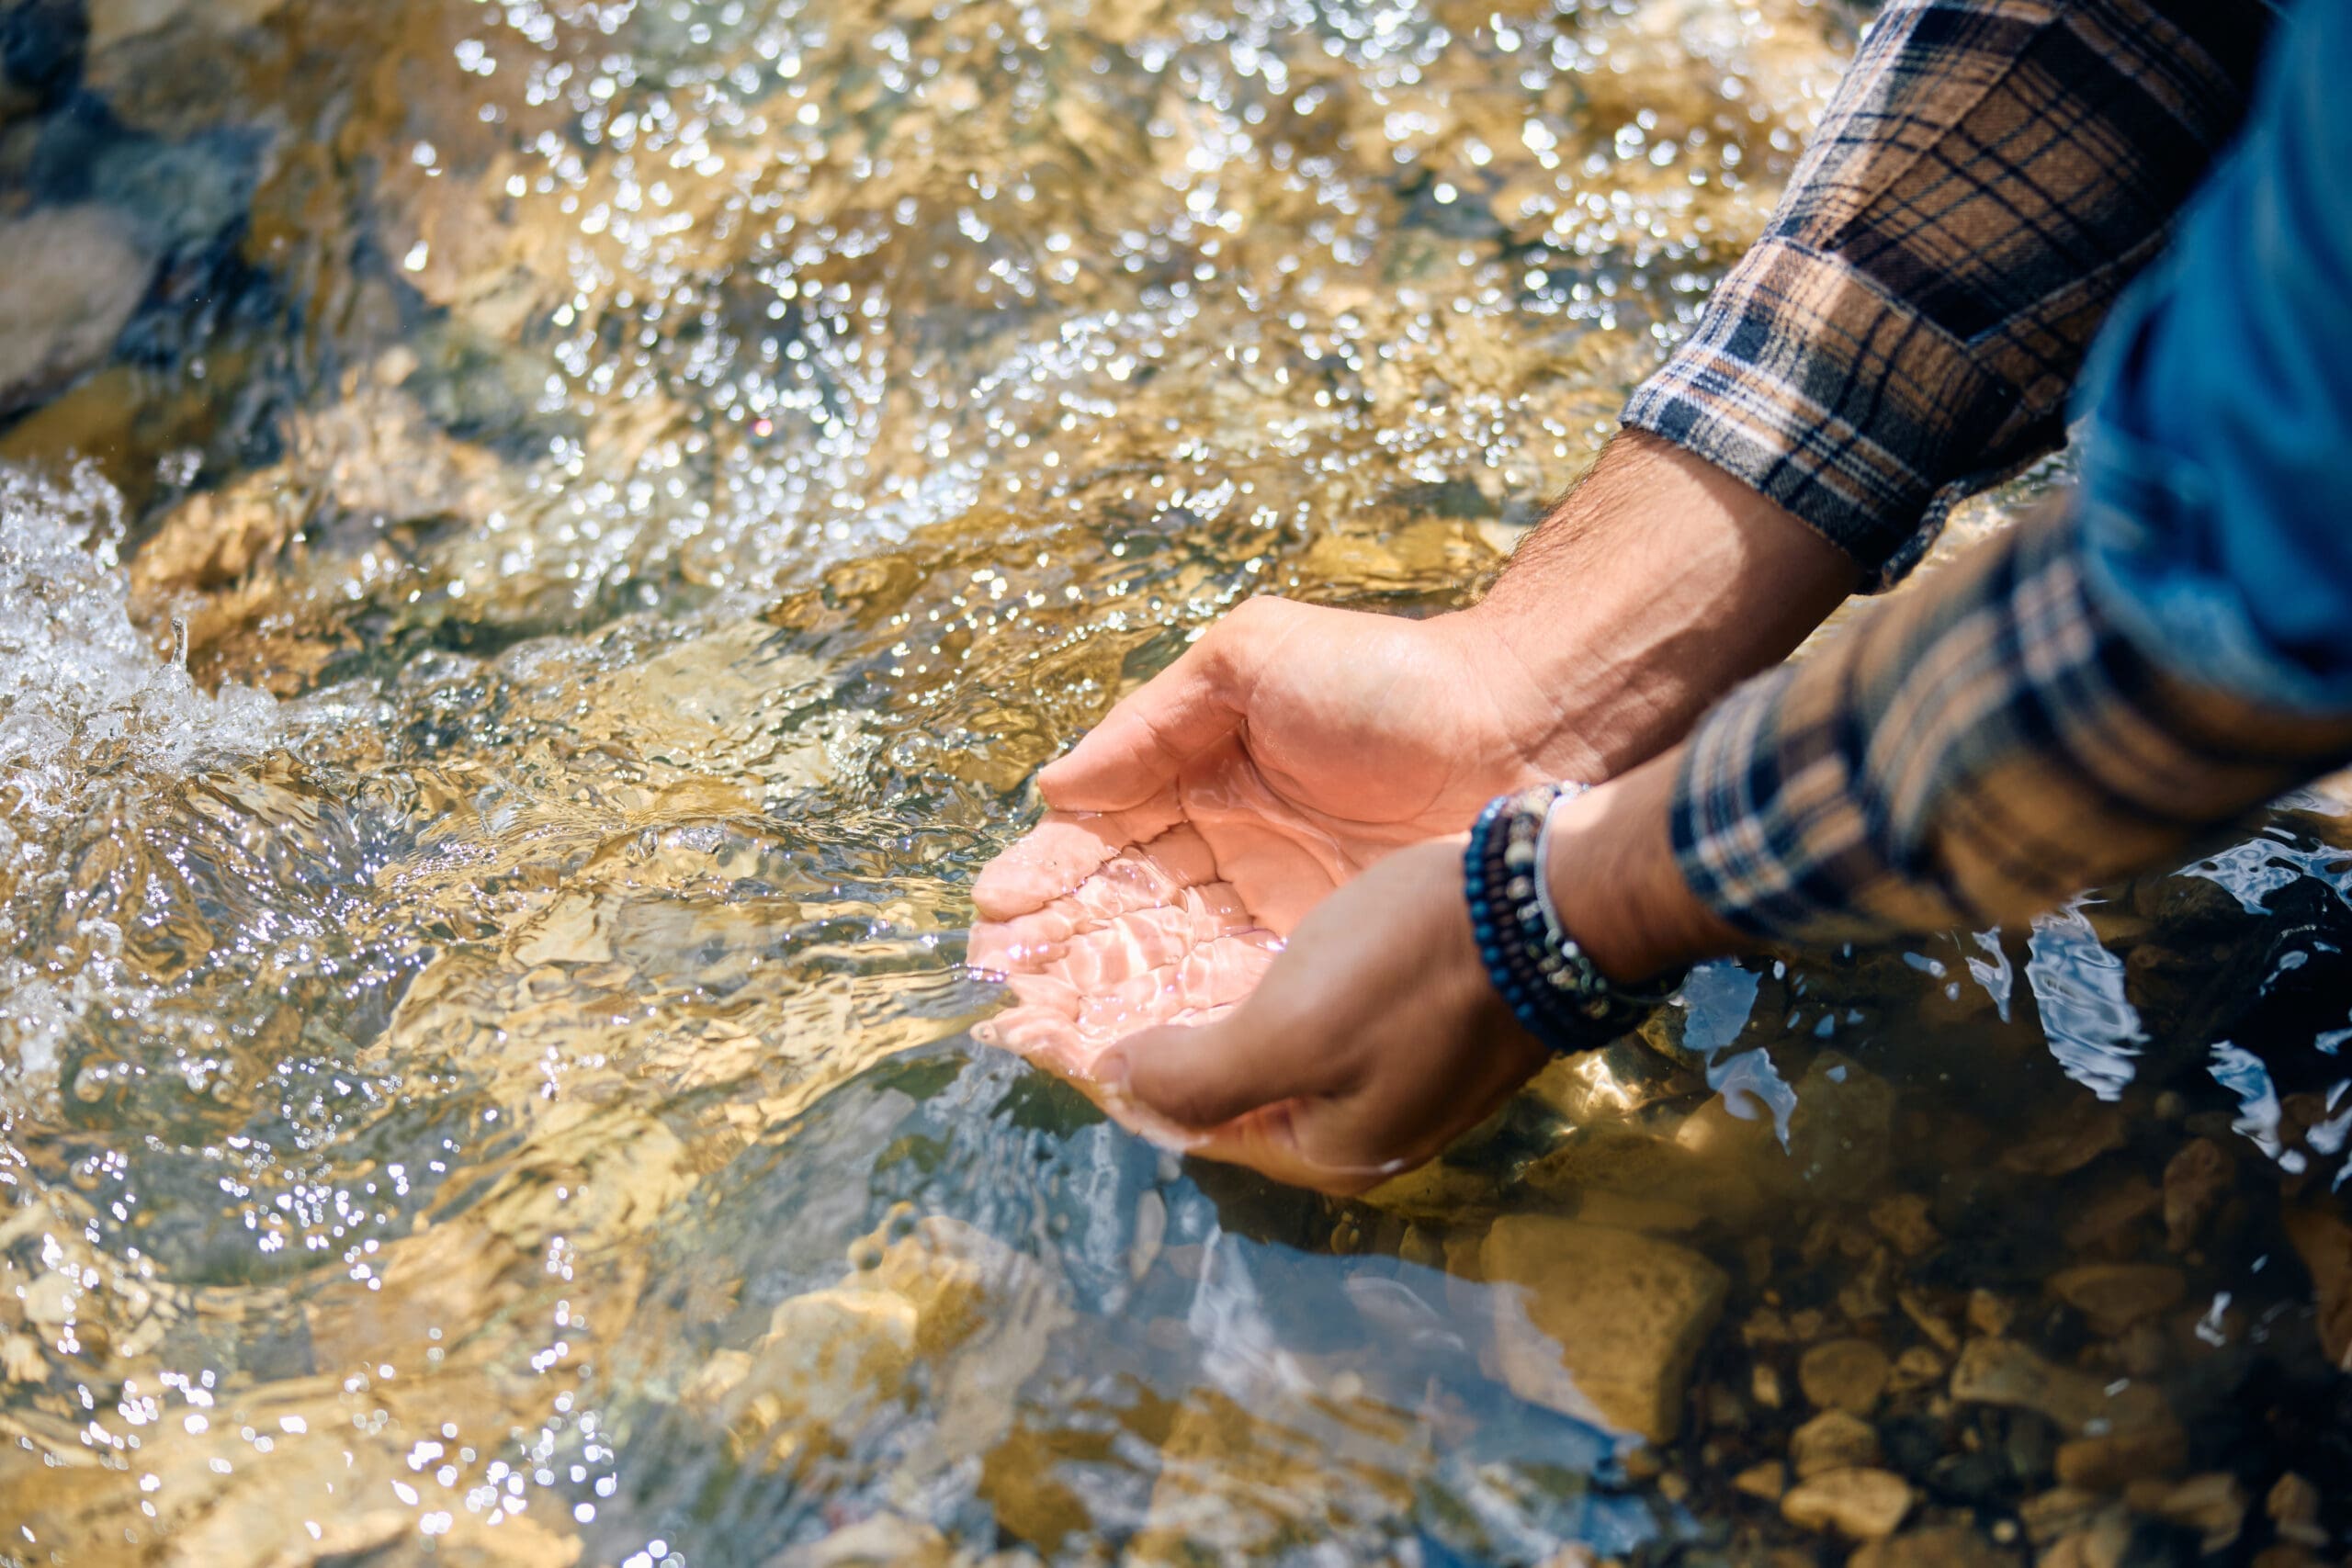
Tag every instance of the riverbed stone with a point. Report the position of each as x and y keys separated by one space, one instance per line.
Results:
x=2068 y=1139
x=1255 y=1483
x=1902 y=1219
x=1764 y=1482
x=75 y=276
x=1602 y=1322
x=1833 y=1440
x=1844 y=1374
x=1861 y=1505
x=2196 y=1179
x=2293 y=1505
x=1933 y=1546
x=2006 y=1373
x=2324 y=1244
x=2110 y=1460
x=2114 y=1296
x=2212 y=1504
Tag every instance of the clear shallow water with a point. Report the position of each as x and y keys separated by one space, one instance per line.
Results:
x=483 y=1056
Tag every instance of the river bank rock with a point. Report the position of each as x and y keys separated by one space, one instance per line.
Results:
x=1604 y=1323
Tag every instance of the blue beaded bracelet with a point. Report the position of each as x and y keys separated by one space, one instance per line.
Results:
x=1549 y=981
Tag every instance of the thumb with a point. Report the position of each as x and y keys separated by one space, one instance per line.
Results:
x=1142 y=743
x=1204 y=1075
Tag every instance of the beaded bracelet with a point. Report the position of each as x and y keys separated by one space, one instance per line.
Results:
x=1552 y=985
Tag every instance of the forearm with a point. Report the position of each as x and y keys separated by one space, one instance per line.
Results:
x=1659 y=584
x=1973 y=753
x=1988 y=178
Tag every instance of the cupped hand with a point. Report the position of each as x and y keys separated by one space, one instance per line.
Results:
x=1285 y=752
x=1361 y=1051
x=1288 y=751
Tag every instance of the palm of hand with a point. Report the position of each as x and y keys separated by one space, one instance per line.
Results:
x=1211 y=811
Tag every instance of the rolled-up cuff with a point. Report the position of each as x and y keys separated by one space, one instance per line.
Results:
x=1829 y=396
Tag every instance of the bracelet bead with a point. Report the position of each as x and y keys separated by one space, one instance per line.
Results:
x=1552 y=986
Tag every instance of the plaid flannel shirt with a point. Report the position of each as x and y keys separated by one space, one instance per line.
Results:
x=2107 y=683
x=1988 y=176
x=1973 y=753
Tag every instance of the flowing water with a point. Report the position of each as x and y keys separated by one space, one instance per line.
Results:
x=541 y=542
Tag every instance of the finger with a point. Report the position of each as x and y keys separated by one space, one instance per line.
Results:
x=1041 y=1035
x=1061 y=853
x=1205 y=1076
x=1142 y=742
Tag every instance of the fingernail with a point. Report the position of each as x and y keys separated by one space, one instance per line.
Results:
x=1113 y=1072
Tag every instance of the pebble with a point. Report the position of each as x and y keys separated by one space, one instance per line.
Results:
x=2114 y=1296
x=1766 y=1481
x=2293 y=1508
x=1918 y=1367
x=1902 y=1220
x=2324 y=1243
x=2212 y=1504
x=2195 y=1181
x=2108 y=1462
x=1933 y=1546
x=1844 y=1374
x=1932 y=1323
x=2005 y=1372
x=2068 y=1141
x=1990 y=1315
x=1833 y=1440
x=1862 y=1504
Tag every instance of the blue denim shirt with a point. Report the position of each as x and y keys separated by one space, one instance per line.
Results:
x=2217 y=462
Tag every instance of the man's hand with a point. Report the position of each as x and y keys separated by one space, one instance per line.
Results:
x=1372 y=1042
x=1377 y=1037
x=1293 y=746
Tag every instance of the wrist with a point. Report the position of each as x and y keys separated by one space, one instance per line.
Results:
x=1616 y=883
x=1658 y=585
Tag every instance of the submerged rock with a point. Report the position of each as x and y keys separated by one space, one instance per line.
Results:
x=2324 y=1244
x=2005 y=1372
x=2195 y=1181
x=2114 y=1296
x=1833 y=1440
x=1862 y=1504
x=1605 y=1325
x=2111 y=1461
x=1844 y=1374
x=75 y=276
x=1240 y=1484
x=1933 y=1546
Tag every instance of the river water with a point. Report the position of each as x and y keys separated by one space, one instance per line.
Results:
x=539 y=547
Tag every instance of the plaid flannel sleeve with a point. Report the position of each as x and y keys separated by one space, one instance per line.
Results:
x=1987 y=177
x=1972 y=753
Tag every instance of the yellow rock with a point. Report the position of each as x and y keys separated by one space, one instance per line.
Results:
x=1598 y=1322
x=1862 y=1504
x=1241 y=1486
x=1844 y=1374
